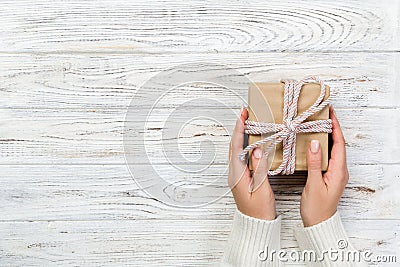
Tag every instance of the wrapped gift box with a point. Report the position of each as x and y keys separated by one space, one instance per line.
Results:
x=265 y=102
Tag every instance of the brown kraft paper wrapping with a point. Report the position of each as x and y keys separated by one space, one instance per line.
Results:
x=261 y=94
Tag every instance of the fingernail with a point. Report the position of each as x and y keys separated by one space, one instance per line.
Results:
x=257 y=152
x=314 y=146
x=241 y=111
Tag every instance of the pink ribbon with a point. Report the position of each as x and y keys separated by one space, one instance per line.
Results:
x=292 y=125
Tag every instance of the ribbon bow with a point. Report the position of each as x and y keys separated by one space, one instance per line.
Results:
x=292 y=124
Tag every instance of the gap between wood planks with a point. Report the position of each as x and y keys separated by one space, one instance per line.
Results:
x=145 y=53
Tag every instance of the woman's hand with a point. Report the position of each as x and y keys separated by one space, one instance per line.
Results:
x=261 y=202
x=321 y=193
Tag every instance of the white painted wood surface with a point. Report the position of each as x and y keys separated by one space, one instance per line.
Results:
x=69 y=69
x=208 y=26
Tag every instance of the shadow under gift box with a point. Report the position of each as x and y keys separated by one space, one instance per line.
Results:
x=265 y=102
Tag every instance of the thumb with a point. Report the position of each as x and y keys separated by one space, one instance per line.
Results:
x=260 y=168
x=314 y=162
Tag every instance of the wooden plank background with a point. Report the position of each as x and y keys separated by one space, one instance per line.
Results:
x=69 y=69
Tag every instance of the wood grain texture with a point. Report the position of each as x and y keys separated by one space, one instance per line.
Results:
x=159 y=243
x=54 y=136
x=96 y=192
x=111 y=81
x=69 y=70
x=207 y=26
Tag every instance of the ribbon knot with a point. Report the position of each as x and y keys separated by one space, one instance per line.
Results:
x=292 y=124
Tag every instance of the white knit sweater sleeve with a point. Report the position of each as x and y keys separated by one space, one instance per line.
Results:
x=250 y=236
x=327 y=236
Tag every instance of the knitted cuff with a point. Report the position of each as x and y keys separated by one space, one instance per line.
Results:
x=328 y=235
x=250 y=236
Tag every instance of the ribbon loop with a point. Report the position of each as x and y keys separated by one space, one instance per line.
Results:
x=292 y=124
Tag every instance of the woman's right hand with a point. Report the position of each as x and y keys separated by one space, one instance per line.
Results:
x=261 y=202
x=322 y=193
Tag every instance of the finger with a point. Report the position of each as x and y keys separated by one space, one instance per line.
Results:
x=314 y=162
x=238 y=169
x=237 y=139
x=338 y=153
x=259 y=164
x=337 y=134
